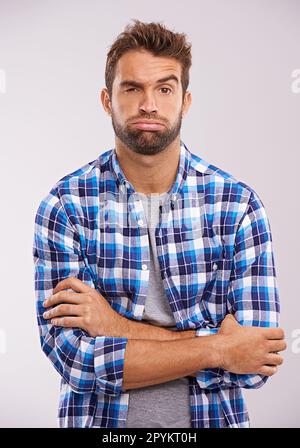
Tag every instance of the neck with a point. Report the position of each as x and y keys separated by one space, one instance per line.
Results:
x=150 y=174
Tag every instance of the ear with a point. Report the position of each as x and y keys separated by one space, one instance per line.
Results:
x=105 y=99
x=186 y=102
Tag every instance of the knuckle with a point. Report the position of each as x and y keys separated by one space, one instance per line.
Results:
x=59 y=295
x=66 y=309
x=89 y=298
x=85 y=310
x=87 y=319
x=59 y=309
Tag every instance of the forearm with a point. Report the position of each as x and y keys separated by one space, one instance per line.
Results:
x=149 y=362
x=139 y=330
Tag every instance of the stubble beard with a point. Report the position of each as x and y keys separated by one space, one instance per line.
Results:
x=146 y=142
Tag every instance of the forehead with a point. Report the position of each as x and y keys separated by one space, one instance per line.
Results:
x=142 y=66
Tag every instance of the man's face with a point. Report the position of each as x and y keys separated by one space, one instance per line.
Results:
x=138 y=94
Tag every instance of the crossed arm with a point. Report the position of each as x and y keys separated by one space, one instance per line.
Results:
x=85 y=308
x=156 y=355
x=134 y=354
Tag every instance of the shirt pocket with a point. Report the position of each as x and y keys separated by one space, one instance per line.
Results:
x=201 y=280
x=205 y=291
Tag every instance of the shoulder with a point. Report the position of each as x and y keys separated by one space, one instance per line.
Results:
x=218 y=180
x=83 y=180
x=75 y=187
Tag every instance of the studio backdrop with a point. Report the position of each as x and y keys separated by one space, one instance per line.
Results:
x=244 y=118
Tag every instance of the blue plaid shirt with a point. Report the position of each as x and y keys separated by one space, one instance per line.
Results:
x=214 y=249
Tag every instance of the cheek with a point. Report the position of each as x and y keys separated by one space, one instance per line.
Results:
x=125 y=111
x=170 y=109
x=175 y=115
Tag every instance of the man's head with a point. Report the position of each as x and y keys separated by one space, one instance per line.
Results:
x=147 y=76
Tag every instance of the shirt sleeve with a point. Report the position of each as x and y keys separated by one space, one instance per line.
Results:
x=87 y=364
x=252 y=296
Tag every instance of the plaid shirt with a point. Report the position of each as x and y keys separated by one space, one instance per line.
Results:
x=214 y=249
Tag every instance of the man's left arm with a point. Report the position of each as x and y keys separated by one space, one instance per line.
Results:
x=252 y=295
x=90 y=311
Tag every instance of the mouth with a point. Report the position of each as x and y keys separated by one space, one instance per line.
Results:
x=148 y=126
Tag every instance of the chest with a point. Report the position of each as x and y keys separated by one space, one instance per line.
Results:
x=193 y=256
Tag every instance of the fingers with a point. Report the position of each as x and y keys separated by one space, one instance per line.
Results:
x=277 y=346
x=63 y=310
x=67 y=322
x=72 y=282
x=268 y=370
x=274 y=333
x=61 y=297
x=274 y=359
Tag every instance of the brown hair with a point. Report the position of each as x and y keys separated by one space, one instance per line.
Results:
x=155 y=38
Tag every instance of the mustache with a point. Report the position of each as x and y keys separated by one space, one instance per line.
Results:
x=147 y=117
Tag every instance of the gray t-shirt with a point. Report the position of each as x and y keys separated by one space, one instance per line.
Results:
x=165 y=405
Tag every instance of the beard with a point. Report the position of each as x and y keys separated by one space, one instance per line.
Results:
x=146 y=142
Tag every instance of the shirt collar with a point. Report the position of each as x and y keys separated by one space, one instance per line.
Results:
x=183 y=168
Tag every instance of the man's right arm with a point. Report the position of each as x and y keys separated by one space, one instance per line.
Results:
x=149 y=362
x=236 y=348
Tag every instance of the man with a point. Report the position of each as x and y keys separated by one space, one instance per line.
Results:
x=150 y=232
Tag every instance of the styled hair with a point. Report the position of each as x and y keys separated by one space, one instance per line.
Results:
x=155 y=38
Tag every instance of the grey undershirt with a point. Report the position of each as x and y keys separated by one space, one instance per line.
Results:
x=165 y=405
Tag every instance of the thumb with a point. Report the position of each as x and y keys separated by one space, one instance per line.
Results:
x=228 y=322
x=230 y=317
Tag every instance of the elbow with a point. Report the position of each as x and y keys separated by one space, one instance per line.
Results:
x=77 y=381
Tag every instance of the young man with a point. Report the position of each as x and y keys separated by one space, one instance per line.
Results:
x=151 y=232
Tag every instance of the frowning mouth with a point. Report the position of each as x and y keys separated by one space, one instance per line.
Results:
x=148 y=125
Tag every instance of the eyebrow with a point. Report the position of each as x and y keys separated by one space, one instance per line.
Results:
x=128 y=82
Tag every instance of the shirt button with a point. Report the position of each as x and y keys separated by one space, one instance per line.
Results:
x=144 y=267
x=140 y=222
x=215 y=266
x=136 y=312
x=174 y=197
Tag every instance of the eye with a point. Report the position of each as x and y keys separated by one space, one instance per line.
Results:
x=166 y=88
x=130 y=89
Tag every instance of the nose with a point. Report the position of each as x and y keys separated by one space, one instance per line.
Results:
x=148 y=104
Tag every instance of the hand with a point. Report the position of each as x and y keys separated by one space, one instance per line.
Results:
x=246 y=349
x=84 y=308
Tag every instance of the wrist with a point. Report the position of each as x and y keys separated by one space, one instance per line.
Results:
x=119 y=327
x=219 y=351
x=187 y=334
